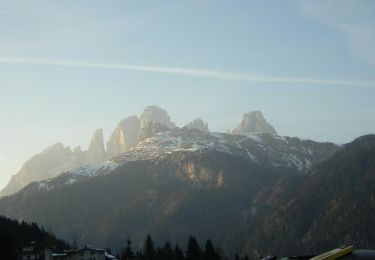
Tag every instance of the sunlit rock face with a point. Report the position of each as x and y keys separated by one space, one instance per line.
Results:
x=96 y=151
x=151 y=129
x=154 y=120
x=48 y=164
x=155 y=114
x=125 y=136
x=254 y=122
x=199 y=125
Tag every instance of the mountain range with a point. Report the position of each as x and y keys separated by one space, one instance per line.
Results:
x=247 y=190
x=57 y=158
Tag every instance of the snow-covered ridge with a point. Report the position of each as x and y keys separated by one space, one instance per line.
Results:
x=77 y=174
x=171 y=141
x=261 y=148
x=94 y=169
x=292 y=154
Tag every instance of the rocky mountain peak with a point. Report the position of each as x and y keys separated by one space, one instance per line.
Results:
x=96 y=151
x=47 y=164
x=155 y=114
x=151 y=129
x=125 y=136
x=254 y=122
x=198 y=124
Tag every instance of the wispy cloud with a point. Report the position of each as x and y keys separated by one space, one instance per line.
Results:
x=353 y=19
x=206 y=73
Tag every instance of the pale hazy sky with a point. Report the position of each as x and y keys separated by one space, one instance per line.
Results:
x=69 y=67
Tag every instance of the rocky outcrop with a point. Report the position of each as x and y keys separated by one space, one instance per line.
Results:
x=198 y=124
x=48 y=164
x=151 y=129
x=155 y=114
x=96 y=151
x=254 y=122
x=125 y=136
x=154 y=120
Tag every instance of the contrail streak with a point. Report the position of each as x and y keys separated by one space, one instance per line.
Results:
x=214 y=74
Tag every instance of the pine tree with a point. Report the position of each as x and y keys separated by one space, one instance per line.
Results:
x=167 y=252
x=193 y=251
x=127 y=253
x=209 y=251
x=159 y=253
x=246 y=257
x=149 y=249
x=178 y=254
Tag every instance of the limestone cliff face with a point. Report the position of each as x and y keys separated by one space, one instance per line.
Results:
x=125 y=136
x=151 y=129
x=199 y=125
x=254 y=122
x=48 y=164
x=153 y=120
x=96 y=151
x=155 y=114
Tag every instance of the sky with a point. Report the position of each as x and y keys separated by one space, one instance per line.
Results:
x=70 y=67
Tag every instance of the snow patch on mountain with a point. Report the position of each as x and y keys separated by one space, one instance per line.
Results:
x=95 y=169
x=171 y=141
x=254 y=136
x=268 y=150
x=74 y=175
x=43 y=186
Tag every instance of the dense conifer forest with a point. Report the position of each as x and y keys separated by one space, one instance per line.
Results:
x=15 y=235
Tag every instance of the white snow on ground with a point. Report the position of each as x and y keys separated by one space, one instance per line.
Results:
x=43 y=186
x=170 y=141
x=109 y=256
x=85 y=171
x=71 y=181
x=95 y=169
x=251 y=156
x=295 y=161
x=254 y=136
x=308 y=164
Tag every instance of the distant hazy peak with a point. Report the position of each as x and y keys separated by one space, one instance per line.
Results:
x=128 y=120
x=78 y=149
x=254 y=122
x=49 y=163
x=96 y=151
x=198 y=124
x=55 y=147
x=155 y=114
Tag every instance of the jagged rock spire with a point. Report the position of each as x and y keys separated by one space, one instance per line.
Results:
x=254 y=122
x=125 y=136
x=96 y=151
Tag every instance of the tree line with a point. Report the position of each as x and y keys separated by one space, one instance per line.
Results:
x=15 y=235
x=169 y=252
